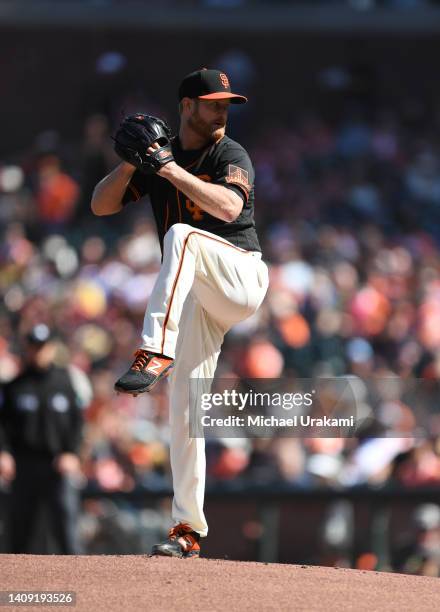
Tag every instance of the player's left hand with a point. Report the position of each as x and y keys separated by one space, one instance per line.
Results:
x=144 y=142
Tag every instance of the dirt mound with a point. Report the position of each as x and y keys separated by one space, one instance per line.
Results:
x=143 y=583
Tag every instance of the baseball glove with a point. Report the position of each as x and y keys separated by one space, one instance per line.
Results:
x=138 y=132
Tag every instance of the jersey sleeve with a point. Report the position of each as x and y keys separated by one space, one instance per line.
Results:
x=139 y=186
x=235 y=171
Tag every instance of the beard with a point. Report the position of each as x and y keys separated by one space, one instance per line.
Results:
x=206 y=130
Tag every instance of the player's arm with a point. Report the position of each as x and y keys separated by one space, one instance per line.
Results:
x=108 y=195
x=216 y=200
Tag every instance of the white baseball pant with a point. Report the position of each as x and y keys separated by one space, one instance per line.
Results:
x=205 y=286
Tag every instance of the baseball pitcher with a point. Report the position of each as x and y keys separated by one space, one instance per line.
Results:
x=200 y=185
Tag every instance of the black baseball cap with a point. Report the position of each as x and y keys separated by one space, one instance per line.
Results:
x=207 y=84
x=39 y=334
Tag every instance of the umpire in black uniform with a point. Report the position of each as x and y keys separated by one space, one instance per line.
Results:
x=40 y=435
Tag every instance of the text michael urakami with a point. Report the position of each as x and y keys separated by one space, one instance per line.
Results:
x=235 y=399
x=301 y=420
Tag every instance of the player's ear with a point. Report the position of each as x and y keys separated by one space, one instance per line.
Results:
x=187 y=105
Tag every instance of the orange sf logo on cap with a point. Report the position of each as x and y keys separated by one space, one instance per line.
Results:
x=224 y=79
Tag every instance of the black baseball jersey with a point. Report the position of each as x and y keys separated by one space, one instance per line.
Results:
x=40 y=413
x=222 y=163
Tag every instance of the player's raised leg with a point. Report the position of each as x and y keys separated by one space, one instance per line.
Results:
x=155 y=358
x=232 y=280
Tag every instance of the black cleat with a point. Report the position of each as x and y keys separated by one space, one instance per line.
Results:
x=182 y=542
x=145 y=371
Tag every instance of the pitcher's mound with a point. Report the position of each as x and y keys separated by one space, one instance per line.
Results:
x=142 y=583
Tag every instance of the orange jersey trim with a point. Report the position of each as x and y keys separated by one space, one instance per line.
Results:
x=242 y=190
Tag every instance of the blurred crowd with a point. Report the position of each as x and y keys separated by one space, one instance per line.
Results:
x=349 y=219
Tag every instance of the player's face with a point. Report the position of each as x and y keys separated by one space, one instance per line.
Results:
x=208 y=118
